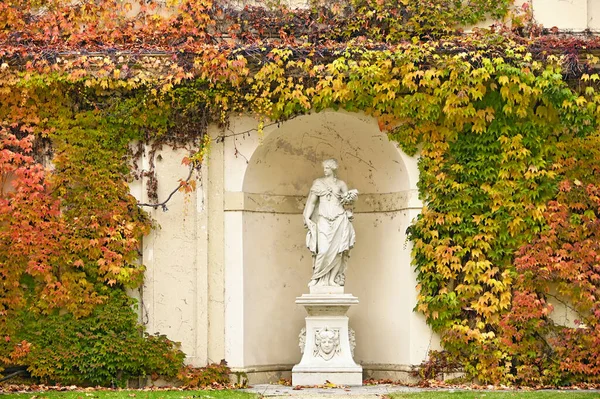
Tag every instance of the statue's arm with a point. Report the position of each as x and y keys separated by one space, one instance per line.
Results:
x=309 y=208
x=343 y=187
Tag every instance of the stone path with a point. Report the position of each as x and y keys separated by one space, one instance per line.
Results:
x=363 y=392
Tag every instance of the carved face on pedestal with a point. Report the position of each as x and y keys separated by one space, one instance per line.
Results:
x=327 y=342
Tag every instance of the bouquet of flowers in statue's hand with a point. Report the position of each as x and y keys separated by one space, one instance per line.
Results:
x=347 y=200
x=349 y=197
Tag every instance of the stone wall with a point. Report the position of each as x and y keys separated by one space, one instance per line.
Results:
x=574 y=15
x=227 y=261
x=571 y=15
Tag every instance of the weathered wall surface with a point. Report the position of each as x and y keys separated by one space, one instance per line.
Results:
x=174 y=295
x=278 y=265
x=228 y=261
x=575 y=15
x=571 y=15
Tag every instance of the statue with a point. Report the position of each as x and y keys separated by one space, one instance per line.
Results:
x=330 y=233
x=326 y=342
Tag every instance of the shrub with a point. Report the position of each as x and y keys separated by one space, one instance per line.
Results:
x=209 y=376
x=105 y=348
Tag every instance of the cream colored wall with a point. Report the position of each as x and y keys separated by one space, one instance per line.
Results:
x=289 y=159
x=174 y=294
x=266 y=183
x=568 y=16
x=563 y=314
x=225 y=263
x=572 y=14
x=275 y=275
x=378 y=277
x=594 y=15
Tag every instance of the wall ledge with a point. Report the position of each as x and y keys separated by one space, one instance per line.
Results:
x=294 y=204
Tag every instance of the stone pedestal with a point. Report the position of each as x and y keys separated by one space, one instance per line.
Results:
x=326 y=341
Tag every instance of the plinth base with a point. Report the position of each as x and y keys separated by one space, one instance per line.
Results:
x=327 y=342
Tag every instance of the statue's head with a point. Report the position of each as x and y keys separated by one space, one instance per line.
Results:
x=330 y=165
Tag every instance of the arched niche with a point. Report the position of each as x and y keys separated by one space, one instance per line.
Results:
x=289 y=158
x=275 y=265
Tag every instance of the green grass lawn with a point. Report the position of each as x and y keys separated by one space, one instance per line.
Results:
x=497 y=395
x=130 y=394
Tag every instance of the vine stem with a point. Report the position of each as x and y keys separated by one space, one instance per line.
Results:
x=12 y=375
x=163 y=205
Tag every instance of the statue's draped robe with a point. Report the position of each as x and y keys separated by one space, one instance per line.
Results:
x=333 y=235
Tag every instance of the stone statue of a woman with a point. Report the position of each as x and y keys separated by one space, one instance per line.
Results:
x=330 y=233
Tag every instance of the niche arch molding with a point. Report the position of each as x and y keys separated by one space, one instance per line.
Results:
x=266 y=181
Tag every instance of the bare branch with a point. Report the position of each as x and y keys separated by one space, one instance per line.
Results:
x=163 y=205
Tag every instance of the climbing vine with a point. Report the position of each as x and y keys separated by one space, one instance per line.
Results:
x=503 y=122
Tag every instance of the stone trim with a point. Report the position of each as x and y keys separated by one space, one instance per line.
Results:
x=294 y=204
x=288 y=367
x=387 y=367
x=263 y=368
x=272 y=373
